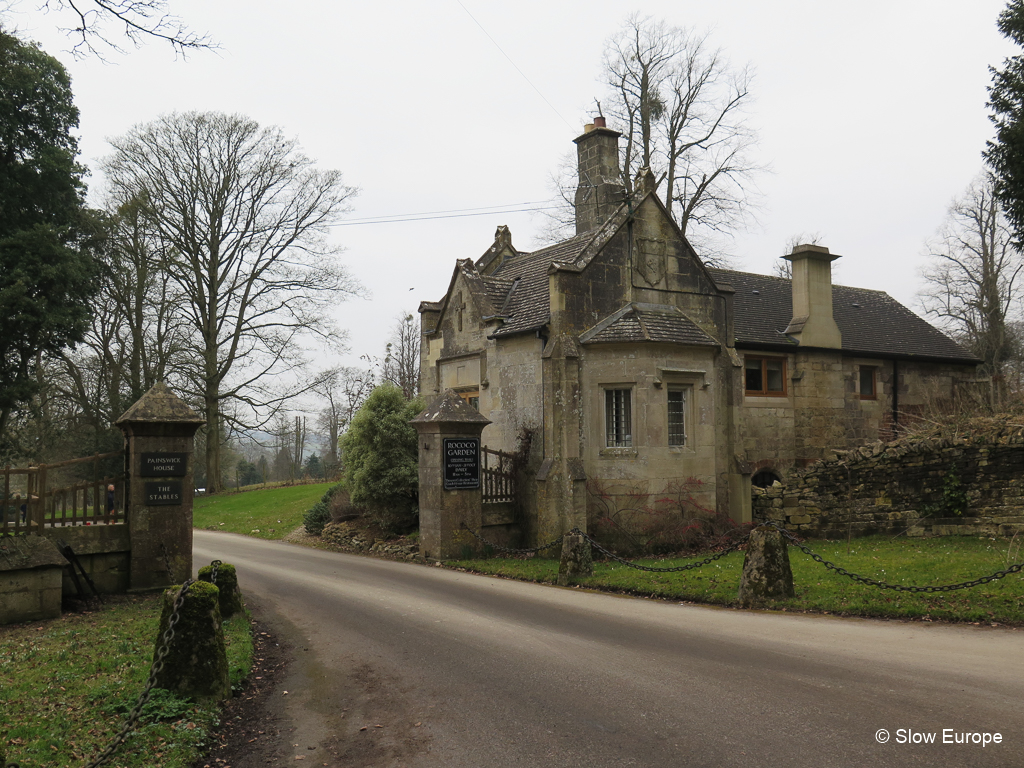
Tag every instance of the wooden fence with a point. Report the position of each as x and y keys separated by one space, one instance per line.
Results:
x=50 y=495
x=499 y=480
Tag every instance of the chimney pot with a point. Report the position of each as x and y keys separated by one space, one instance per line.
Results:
x=599 y=121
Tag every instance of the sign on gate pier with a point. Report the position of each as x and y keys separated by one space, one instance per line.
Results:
x=164 y=494
x=164 y=464
x=461 y=463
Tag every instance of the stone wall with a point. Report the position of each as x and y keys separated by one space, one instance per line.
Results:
x=822 y=409
x=971 y=484
x=30 y=579
x=104 y=552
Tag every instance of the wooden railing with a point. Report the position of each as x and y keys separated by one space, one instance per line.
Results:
x=46 y=497
x=498 y=475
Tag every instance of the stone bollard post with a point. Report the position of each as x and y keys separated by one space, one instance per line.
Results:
x=766 y=571
x=196 y=665
x=227 y=585
x=577 y=559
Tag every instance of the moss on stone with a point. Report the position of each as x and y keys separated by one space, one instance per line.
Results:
x=766 y=571
x=577 y=559
x=227 y=583
x=196 y=665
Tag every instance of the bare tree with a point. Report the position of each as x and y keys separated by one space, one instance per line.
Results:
x=97 y=24
x=136 y=337
x=681 y=110
x=344 y=391
x=973 y=277
x=784 y=267
x=300 y=446
x=401 y=365
x=242 y=214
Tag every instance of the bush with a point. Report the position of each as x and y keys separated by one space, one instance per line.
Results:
x=380 y=456
x=319 y=514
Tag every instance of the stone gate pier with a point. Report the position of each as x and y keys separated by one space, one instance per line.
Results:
x=449 y=432
x=159 y=432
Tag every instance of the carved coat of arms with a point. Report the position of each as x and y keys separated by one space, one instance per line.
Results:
x=650 y=259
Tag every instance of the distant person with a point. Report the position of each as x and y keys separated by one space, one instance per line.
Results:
x=111 y=505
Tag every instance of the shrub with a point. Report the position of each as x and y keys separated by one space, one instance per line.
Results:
x=380 y=455
x=319 y=514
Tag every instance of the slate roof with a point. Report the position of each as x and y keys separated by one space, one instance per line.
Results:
x=522 y=282
x=648 y=322
x=872 y=323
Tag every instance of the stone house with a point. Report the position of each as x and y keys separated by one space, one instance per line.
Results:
x=633 y=365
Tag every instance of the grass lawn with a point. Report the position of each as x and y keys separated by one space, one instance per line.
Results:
x=67 y=684
x=903 y=561
x=270 y=513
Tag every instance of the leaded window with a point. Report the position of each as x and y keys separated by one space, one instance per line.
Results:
x=676 y=416
x=618 y=418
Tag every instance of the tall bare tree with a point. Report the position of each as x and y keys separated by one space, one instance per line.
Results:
x=973 y=276
x=300 y=446
x=681 y=109
x=137 y=336
x=243 y=216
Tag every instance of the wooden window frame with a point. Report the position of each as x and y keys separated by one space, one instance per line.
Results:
x=874 y=382
x=469 y=395
x=764 y=392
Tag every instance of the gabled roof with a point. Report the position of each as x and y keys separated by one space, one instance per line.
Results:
x=479 y=291
x=520 y=286
x=648 y=322
x=872 y=323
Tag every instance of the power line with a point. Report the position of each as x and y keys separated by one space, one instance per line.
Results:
x=454 y=214
x=515 y=65
x=458 y=210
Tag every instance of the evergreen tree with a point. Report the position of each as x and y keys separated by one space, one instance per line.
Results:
x=46 y=234
x=1005 y=155
x=379 y=452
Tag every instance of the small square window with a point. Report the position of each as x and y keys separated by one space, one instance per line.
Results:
x=676 y=416
x=472 y=398
x=618 y=418
x=765 y=376
x=867 y=381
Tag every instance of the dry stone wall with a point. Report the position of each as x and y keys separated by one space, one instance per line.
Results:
x=966 y=484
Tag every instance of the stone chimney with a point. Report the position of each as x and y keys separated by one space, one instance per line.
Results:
x=813 y=324
x=600 y=190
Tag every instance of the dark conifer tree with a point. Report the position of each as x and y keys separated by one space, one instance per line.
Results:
x=1005 y=154
x=47 y=272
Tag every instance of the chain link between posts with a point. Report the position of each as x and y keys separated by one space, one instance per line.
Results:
x=529 y=551
x=655 y=569
x=1015 y=568
x=792 y=540
x=158 y=665
x=576 y=531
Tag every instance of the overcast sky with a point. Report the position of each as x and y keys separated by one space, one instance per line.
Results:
x=871 y=116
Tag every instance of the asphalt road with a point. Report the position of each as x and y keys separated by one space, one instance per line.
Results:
x=410 y=665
